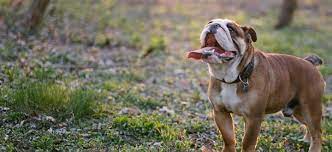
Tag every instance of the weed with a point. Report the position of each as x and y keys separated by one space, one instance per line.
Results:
x=327 y=98
x=6 y=51
x=197 y=127
x=150 y=127
x=135 y=40
x=123 y=76
x=61 y=58
x=129 y=98
x=113 y=85
x=157 y=44
x=11 y=72
x=35 y=96
x=51 y=99
x=44 y=74
x=83 y=103
x=44 y=142
x=16 y=116
x=102 y=40
x=326 y=70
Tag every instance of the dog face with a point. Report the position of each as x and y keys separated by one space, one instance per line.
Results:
x=228 y=36
x=224 y=47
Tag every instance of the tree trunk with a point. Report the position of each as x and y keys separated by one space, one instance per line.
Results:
x=286 y=14
x=15 y=4
x=36 y=13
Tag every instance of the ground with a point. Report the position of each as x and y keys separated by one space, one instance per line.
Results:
x=112 y=75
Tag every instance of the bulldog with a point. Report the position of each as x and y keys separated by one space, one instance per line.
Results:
x=248 y=82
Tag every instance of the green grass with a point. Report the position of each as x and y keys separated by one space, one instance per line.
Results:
x=157 y=133
x=327 y=98
x=16 y=116
x=44 y=142
x=39 y=93
x=134 y=133
x=133 y=99
x=51 y=99
x=156 y=44
x=6 y=51
x=146 y=128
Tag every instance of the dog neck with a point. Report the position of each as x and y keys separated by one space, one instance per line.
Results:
x=230 y=72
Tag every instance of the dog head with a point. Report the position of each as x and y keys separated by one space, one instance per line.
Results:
x=224 y=41
x=226 y=47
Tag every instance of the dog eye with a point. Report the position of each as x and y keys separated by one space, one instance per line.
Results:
x=210 y=22
x=230 y=29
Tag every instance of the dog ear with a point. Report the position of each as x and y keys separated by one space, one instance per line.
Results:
x=249 y=33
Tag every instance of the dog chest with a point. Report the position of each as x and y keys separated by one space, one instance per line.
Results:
x=229 y=98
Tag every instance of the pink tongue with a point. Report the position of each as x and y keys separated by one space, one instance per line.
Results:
x=198 y=54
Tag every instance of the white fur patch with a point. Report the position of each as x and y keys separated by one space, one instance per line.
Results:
x=229 y=98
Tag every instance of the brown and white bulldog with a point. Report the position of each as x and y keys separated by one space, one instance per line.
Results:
x=251 y=83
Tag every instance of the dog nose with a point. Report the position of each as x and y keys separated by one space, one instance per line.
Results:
x=213 y=28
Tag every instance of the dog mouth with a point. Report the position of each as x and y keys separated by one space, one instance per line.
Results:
x=212 y=47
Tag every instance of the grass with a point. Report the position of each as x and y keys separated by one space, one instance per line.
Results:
x=6 y=51
x=44 y=142
x=51 y=99
x=145 y=127
x=157 y=44
x=40 y=94
x=156 y=133
x=129 y=98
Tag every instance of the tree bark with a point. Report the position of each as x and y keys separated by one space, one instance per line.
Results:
x=287 y=12
x=36 y=13
x=15 y=4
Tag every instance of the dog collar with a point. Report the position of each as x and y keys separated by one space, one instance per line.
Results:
x=244 y=76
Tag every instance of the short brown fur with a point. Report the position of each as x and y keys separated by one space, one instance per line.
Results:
x=275 y=81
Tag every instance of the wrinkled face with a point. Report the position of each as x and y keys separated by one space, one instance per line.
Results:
x=224 y=45
x=228 y=38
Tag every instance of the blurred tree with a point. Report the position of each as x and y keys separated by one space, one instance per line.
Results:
x=15 y=4
x=36 y=13
x=286 y=14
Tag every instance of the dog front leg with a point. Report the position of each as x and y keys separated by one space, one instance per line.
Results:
x=252 y=128
x=224 y=122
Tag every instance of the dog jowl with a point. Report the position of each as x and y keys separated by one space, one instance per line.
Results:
x=251 y=83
